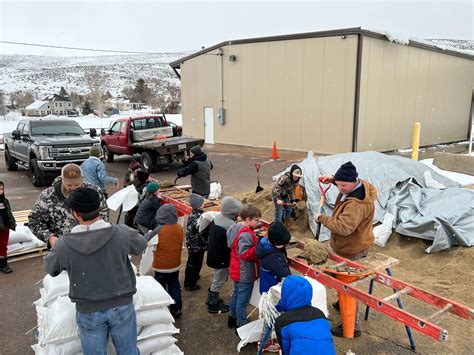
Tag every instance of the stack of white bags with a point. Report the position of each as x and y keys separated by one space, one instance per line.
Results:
x=58 y=333
x=22 y=240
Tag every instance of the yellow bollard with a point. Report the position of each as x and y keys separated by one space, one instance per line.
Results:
x=415 y=145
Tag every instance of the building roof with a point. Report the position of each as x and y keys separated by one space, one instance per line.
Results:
x=331 y=33
x=36 y=105
x=56 y=97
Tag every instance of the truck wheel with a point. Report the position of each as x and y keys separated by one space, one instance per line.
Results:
x=9 y=162
x=37 y=177
x=109 y=157
x=149 y=161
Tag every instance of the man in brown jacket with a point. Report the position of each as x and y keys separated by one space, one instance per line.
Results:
x=351 y=221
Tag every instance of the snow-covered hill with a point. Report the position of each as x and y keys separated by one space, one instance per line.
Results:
x=45 y=75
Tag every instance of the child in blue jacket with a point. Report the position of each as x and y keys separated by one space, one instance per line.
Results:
x=271 y=253
x=302 y=329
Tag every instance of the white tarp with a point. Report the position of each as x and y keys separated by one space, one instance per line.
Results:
x=425 y=204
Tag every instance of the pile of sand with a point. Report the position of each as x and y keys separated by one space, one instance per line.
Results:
x=315 y=252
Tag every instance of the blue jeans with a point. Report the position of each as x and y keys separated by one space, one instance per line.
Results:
x=120 y=322
x=170 y=282
x=282 y=212
x=240 y=300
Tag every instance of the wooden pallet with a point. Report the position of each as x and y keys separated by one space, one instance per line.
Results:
x=27 y=254
x=21 y=217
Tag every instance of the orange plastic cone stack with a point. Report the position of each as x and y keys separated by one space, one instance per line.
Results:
x=274 y=152
x=348 y=306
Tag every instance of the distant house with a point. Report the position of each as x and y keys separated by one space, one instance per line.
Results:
x=53 y=104
x=124 y=104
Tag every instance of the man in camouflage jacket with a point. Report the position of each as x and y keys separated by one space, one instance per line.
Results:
x=50 y=217
x=283 y=195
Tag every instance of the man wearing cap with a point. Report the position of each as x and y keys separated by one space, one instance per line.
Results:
x=101 y=279
x=199 y=167
x=352 y=219
x=50 y=218
x=93 y=171
x=283 y=195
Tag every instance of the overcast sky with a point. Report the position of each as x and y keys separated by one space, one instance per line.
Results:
x=158 y=26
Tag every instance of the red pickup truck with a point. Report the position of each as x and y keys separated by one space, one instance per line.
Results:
x=153 y=137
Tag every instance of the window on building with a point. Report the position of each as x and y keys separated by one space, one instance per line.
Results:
x=69 y=104
x=55 y=104
x=60 y=104
x=42 y=113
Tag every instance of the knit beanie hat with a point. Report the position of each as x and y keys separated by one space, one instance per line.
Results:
x=134 y=165
x=196 y=150
x=196 y=201
x=95 y=152
x=278 y=234
x=230 y=206
x=84 y=200
x=71 y=174
x=152 y=187
x=347 y=172
x=142 y=176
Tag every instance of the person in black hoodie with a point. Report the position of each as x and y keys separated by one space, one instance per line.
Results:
x=145 y=216
x=218 y=253
x=7 y=222
x=101 y=279
x=199 y=167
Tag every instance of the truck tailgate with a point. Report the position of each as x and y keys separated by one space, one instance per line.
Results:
x=170 y=145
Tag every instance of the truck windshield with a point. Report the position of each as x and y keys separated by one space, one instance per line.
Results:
x=56 y=128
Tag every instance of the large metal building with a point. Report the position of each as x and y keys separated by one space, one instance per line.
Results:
x=329 y=92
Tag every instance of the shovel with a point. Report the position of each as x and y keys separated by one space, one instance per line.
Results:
x=259 y=188
x=321 y=205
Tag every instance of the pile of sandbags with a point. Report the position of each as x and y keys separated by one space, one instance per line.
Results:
x=58 y=333
x=22 y=239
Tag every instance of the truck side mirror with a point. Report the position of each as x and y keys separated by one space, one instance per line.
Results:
x=102 y=132
x=16 y=134
x=93 y=132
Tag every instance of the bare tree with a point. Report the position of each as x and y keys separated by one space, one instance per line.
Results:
x=96 y=82
x=21 y=99
x=2 y=104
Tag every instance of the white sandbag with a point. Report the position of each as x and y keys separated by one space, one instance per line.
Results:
x=147 y=259
x=12 y=248
x=32 y=244
x=54 y=287
x=21 y=234
x=319 y=295
x=153 y=316
x=70 y=347
x=158 y=329
x=172 y=350
x=57 y=324
x=127 y=196
x=155 y=344
x=205 y=219
x=255 y=297
x=383 y=231
x=150 y=294
x=250 y=333
x=215 y=191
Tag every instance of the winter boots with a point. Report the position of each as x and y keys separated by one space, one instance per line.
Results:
x=4 y=266
x=215 y=304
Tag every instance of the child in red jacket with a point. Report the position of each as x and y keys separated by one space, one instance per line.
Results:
x=242 y=242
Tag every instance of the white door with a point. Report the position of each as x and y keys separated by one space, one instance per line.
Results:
x=209 y=125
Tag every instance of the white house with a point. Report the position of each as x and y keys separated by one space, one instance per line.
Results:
x=54 y=104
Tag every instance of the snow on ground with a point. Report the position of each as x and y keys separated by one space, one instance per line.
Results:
x=463 y=179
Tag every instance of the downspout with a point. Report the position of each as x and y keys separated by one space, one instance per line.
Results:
x=355 y=127
x=221 y=114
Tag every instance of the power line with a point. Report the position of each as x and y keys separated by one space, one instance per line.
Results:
x=76 y=48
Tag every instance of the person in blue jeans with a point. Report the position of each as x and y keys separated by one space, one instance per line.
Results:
x=242 y=243
x=101 y=279
x=283 y=195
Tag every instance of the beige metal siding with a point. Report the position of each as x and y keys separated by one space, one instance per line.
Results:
x=401 y=85
x=297 y=92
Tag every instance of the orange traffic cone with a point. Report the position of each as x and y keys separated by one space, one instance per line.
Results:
x=348 y=306
x=274 y=152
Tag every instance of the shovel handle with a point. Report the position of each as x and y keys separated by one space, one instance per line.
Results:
x=257 y=167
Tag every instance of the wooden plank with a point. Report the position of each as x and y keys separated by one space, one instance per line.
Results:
x=27 y=254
